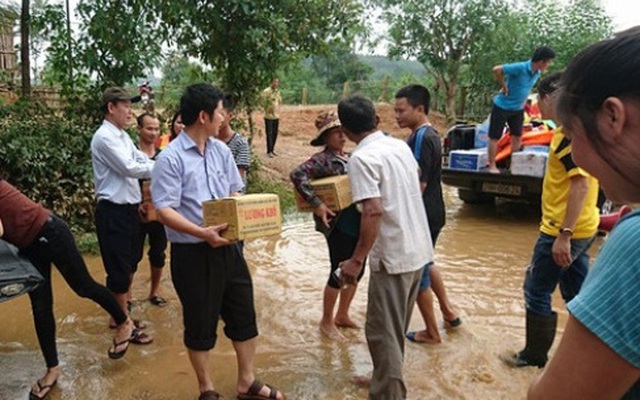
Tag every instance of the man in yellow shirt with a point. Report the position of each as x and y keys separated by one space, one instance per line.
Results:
x=569 y=224
x=271 y=101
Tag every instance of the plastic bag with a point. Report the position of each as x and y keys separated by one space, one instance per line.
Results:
x=17 y=274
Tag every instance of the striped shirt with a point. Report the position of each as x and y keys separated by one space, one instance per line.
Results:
x=240 y=150
x=241 y=155
x=609 y=301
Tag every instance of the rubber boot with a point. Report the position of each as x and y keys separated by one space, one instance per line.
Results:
x=541 y=330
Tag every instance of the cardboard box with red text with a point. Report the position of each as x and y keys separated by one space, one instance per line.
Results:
x=249 y=216
x=334 y=191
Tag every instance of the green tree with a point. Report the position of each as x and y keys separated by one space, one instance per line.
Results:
x=340 y=65
x=567 y=28
x=440 y=34
x=49 y=26
x=177 y=73
x=247 y=41
x=570 y=27
x=119 y=39
x=117 y=42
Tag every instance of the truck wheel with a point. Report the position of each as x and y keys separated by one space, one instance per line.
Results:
x=473 y=197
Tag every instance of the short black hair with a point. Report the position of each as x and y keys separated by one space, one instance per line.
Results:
x=357 y=114
x=199 y=97
x=229 y=102
x=543 y=53
x=605 y=69
x=416 y=95
x=549 y=84
x=140 y=118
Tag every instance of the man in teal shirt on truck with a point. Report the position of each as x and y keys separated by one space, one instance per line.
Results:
x=516 y=81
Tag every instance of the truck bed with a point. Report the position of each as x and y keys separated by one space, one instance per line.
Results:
x=481 y=186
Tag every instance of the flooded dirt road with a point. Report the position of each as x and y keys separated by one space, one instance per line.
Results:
x=482 y=253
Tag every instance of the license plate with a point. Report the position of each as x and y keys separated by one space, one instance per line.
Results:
x=499 y=188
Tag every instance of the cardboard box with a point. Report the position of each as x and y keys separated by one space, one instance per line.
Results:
x=334 y=191
x=530 y=163
x=249 y=216
x=147 y=204
x=473 y=160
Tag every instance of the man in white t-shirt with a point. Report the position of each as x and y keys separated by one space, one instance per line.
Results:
x=394 y=232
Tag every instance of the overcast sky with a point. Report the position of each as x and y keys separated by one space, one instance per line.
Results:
x=625 y=13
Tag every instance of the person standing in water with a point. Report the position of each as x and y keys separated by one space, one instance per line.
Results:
x=340 y=228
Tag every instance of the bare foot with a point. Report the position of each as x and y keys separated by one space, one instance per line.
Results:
x=423 y=337
x=330 y=331
x=493 y=170
x=361 y=381
x=345 y=322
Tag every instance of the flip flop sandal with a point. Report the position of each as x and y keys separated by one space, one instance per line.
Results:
x=453 y=323
x=116 y=355
x=41 y=387
x=157 y=301
x=136 y=323
x=139 y=337
x=254 y=392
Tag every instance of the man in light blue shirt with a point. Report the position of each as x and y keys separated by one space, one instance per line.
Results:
x=209 y=273
x=516 y=81
x=117 y=166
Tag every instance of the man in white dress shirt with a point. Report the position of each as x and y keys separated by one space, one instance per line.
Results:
x=117 y=166
x=383 y=175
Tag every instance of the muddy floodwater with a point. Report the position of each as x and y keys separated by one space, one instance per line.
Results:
x=482 y=253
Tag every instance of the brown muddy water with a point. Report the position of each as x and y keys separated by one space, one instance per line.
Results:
x=482 y=253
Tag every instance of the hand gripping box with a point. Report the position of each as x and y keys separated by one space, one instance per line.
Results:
x=249 y=216
x=334 y=191
x=530 y=163
x=473 y=160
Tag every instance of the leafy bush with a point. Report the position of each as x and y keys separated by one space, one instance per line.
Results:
x=258 y=183
x=46 y=154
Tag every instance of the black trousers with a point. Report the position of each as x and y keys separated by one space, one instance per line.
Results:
x=213 y=283
x=271 y=126
x=55 y=244
x=341 y=247
x=118 y=230
x=157 y=243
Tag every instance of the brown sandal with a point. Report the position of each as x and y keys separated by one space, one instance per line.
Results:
x=210 y=395
x=253 y=393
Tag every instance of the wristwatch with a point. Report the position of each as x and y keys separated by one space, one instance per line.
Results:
x=566 y=231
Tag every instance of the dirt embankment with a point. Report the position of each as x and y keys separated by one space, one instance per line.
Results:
x=297 y=129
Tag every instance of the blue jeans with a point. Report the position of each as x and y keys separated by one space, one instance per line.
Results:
x=425 y=281
x=543 y=274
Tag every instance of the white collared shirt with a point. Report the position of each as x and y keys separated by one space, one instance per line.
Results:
x=117 y=165
x=384 y=167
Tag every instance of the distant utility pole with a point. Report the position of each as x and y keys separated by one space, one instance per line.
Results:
x=69 y=41
x=25 y=20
